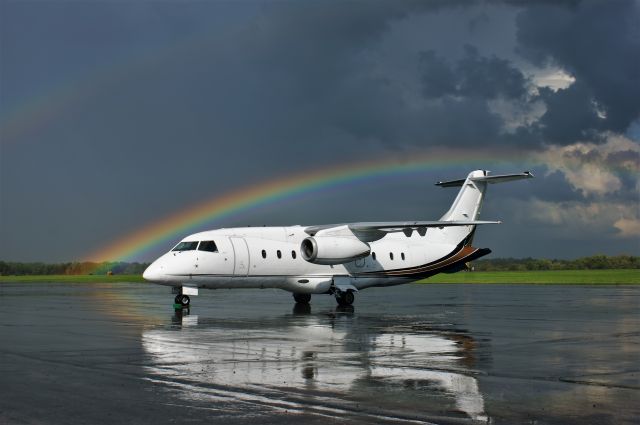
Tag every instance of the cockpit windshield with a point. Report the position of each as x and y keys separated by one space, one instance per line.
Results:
x=186 y=246
x=208 y=246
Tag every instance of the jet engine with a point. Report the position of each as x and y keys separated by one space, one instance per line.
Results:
x=333 y=249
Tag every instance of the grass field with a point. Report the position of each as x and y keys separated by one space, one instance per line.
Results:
x=557 y=277
x=544 y=277
x=74 y=278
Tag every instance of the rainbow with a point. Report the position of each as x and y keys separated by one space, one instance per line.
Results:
x=222 y=207
x=37 y=110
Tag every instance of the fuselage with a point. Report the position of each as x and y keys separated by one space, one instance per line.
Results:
x=270 y=257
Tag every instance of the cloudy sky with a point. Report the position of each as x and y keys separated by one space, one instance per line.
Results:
x=116 y=114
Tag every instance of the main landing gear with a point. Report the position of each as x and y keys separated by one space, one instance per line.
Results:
x=345 y=298
x=302 y=298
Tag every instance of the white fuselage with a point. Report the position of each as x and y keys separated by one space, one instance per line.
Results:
x=269 y=257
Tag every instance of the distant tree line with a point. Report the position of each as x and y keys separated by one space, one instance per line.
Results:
x=585 y=263
x=10 y=268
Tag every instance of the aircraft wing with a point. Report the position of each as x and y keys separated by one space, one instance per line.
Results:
x=399 y=226
x=395 y=226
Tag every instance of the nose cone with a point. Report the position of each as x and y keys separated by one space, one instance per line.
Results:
x=153 y=273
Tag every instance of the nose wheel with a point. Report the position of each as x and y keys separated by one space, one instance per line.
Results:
x=183 y=300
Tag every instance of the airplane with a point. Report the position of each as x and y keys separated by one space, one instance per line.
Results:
x=334 y=259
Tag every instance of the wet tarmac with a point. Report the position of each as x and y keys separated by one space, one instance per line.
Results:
x=446 y=354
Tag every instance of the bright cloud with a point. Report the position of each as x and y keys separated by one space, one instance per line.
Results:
x=594 y=169
x=553 y=78
x=582 y=219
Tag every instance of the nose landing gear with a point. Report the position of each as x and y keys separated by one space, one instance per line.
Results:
x=182 y=300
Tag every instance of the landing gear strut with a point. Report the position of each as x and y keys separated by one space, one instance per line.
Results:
x=183 y=300
x=345 y=298
x=302 y=298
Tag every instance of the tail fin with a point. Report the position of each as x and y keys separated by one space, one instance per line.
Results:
x=468 y=203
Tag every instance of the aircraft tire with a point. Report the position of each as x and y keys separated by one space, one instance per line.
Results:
x=345 y=298
x=302 y=298
x=184 y=300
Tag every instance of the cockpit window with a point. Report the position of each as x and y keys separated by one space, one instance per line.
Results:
x=208 y=246
x=186 y=246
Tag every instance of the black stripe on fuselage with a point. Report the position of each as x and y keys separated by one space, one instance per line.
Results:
x=453 y=252
x=431 y=269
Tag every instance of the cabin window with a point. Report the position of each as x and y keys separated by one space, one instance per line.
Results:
x=373 y=255
x=186 y=246
x=279 y=254
x=293 y=255
x=402 y=256
x=391 y=255
x=208 y=246
x=264 y=254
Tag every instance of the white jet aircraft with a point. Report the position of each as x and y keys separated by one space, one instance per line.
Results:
x=337 y=259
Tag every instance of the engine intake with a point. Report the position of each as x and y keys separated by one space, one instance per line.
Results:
x=333 y=250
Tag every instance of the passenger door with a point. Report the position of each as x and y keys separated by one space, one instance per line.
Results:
x=240 y=257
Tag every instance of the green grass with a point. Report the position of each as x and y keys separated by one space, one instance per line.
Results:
x=553 y=277
x=73 y=278
x=544 y=277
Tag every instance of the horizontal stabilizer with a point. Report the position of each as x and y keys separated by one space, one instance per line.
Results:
x=451 y=183
x=488 y=179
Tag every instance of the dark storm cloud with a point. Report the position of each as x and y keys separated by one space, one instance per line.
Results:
x=598 y=43
x=463 y=89
x=316 y=58
x=318 y=43
x=438 y=77
x=473 y=76
x=442 y=125
x=316 y=53
x=311 y=55
x=601 y=56
x=571 y=115
x=489 y=77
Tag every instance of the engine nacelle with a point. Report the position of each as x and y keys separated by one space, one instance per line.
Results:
x=333 y=249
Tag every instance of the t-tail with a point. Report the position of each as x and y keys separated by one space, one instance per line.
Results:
x=468 y=203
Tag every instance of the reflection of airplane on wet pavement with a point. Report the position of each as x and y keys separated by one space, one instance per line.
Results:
x=336 y=357
x=330 y=259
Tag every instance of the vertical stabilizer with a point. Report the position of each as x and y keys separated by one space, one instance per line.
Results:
x=466 y=206
x=468 y=203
